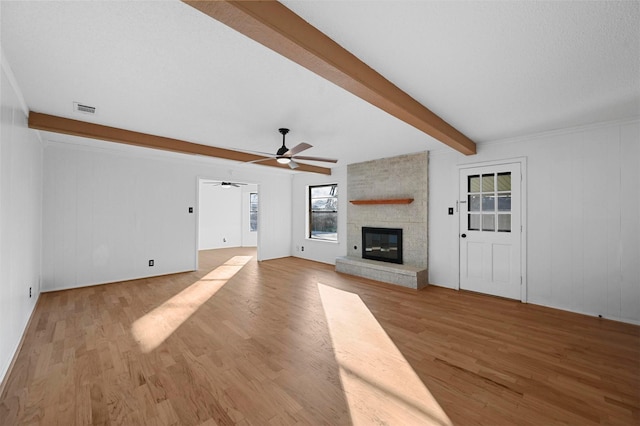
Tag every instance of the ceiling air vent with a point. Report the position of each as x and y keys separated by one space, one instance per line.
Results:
x=84 y=109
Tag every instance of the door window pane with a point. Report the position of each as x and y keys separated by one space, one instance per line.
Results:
x=488 y=222
x=504 y=202
x=474 y=183
x=474 y=222
x=504 y=181
x=488 y=202
x=488 y=183
x=474 y=203
x=504 y=223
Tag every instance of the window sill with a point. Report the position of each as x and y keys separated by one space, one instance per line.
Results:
x=322 y=241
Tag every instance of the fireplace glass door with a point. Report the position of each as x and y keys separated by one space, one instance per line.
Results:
x=384 y=244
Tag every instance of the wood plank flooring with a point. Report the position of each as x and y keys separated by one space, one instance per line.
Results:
x=269 y=344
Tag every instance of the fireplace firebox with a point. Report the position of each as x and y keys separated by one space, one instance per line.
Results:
x=384 y=244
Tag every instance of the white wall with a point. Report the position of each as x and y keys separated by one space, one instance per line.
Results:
x=20 y=218
x=224 y=216
x=110 y=208
x=219 y=216
x=320 y=251
x=583 y=217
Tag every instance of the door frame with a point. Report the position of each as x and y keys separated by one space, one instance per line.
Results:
x=196 y=227
x=523 y=215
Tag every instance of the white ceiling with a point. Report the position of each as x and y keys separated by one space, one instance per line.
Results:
x=493 y=70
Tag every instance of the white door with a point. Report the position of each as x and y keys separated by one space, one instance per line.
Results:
x=490 y=230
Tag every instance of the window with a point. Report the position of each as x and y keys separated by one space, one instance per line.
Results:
x=253 y=211
x=489 y=198
x=323 y=212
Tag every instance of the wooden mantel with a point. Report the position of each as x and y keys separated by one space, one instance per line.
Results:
x=384 y=201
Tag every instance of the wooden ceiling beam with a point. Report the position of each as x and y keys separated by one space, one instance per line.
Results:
x=278 y=28
x=52 y=123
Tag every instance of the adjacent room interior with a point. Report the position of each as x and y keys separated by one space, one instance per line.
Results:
x=319 y=213
x=227 y=214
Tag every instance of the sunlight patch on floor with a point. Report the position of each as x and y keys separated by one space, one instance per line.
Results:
x=379 y=384
x=156 y=326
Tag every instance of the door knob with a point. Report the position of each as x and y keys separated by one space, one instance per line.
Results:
x=464 y=235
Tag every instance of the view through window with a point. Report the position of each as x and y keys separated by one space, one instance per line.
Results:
x=253 y=211
x=489 y=198
x=323 y=212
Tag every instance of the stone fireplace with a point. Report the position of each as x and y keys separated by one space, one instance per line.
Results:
x=388 y=193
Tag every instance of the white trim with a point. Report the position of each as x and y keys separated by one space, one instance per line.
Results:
x=492 y=163
x=196 y=212
x=200 y=178
x=259 y=236
x=587 y=313
x=322 y=241
x=307 y=230
x=523 y=215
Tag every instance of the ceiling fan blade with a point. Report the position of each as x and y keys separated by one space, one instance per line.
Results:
x=298 y=148
x=261 y=159
x=326 y=160
x=293 y=165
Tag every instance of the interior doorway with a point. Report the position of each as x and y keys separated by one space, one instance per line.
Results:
x=227 y=214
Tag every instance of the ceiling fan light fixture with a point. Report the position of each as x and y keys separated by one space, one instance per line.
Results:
x=286 y=156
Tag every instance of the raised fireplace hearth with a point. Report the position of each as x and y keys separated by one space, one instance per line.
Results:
x=413 y=277
x=383 y=244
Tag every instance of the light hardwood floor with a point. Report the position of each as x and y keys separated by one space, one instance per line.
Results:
x=290 y=341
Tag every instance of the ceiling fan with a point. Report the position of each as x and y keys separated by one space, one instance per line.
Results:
x=285 y=155
x=226 y=184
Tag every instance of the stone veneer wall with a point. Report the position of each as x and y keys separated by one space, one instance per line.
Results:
x=404 y=176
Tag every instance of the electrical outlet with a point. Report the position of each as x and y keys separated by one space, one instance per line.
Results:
x=224 y=240
x=151 y=262
x=450 y=210
x=29 y=291
x=302 y=248
x=190 y=209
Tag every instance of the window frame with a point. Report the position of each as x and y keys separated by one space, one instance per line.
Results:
x=310 y=212
x=251 y=211
x=492 y=193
